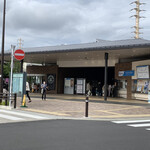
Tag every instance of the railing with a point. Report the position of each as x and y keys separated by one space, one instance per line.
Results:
x=7 y=97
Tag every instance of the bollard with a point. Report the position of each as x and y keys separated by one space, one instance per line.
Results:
x=86 y=106
x=6 y=100
x=15 y=100
x=149 y=96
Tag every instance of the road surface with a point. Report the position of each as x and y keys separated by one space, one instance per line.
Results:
x=73 y=135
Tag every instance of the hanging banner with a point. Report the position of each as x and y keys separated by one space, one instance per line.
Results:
x=51 y=81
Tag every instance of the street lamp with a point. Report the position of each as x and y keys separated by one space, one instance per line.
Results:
x=2 y=50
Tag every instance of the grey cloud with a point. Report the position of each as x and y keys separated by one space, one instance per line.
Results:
x=51 y=18
x=54 y=22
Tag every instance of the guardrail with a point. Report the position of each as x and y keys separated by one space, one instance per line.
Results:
x=7 y=97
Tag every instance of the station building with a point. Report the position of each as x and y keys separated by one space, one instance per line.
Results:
x=67 y=68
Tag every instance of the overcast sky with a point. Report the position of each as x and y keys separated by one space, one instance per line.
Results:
x=56 y=22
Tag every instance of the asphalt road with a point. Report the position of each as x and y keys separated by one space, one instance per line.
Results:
x=72 y=135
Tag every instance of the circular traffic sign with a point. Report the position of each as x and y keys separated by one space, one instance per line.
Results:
x=19 y=54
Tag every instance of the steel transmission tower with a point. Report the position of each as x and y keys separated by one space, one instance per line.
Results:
x=20 y=43
x=137 y=17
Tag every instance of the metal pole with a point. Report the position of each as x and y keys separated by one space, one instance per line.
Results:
x=11 y=73
x=15 y=100
x=2 y=51
x=106 y=74
x=6 y=100
x=21 y=68
x=86 y=106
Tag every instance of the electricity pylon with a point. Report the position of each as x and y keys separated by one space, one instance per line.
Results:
x=20 y=43
x=137 y=18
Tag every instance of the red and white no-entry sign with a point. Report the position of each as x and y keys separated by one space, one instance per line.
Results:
x=19 y=54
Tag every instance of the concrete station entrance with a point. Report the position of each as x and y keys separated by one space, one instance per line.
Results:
x=87 y=61
x=92 y=75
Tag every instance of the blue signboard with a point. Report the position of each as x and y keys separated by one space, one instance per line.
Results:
x=126 y=73
x=19 y=83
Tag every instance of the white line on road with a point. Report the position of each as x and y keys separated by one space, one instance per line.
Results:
x=24 y=115
x=139 y=125
x=148 y=129
x=130 y=121
x=10 y=117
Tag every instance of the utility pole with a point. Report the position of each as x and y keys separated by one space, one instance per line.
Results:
x=137 y=18
x=2 y=50
x=11 y=73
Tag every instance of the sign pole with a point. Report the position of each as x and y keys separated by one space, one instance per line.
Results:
x=19 y=55
x=11 y=73
x=21 y=68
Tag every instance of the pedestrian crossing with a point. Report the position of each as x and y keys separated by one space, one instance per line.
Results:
x=135 y=123
x=8 y=116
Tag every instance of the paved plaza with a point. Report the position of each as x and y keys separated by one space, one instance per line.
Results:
x=73 y=106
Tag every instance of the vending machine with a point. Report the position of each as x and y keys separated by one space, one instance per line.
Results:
x=80 y=86
x=69 y=86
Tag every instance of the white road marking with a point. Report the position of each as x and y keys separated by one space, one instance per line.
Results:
x=148 y=129
x=24 y=114
x=10 y=117
x=139 y=125
x=130 y=121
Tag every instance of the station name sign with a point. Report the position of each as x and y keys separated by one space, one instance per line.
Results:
x=126 y=73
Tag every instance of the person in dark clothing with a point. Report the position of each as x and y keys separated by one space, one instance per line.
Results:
x=115 y=91
x=99 y=89
x=43 y=90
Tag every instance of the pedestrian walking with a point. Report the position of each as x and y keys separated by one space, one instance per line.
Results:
x=43 y=90
x=88 y=88
x=99 y=89
x=112 y=90
x=27 y=91
x=109 y=90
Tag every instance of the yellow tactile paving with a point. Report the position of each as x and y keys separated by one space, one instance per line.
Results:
x=56 y=100
x=108 y=112
x=47 y=112
x=72 y=111
x=127 y=108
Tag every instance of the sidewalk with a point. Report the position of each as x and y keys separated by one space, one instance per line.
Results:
x=73 y=106
x=93 y=99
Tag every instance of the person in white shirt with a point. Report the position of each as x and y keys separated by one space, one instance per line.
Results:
x=27 y=91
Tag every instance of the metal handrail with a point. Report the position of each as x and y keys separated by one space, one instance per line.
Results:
x=8 y=96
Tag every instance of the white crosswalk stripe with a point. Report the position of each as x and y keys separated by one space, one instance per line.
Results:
x=23 y=114
x=10 y=117
x=148 y=129
x=140 y=125
x=130 y=121
x=135 y=123
x=18 y=116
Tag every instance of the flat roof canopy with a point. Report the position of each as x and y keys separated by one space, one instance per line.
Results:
x=121 y=49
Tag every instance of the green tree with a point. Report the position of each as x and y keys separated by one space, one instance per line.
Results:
x=7 y=68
